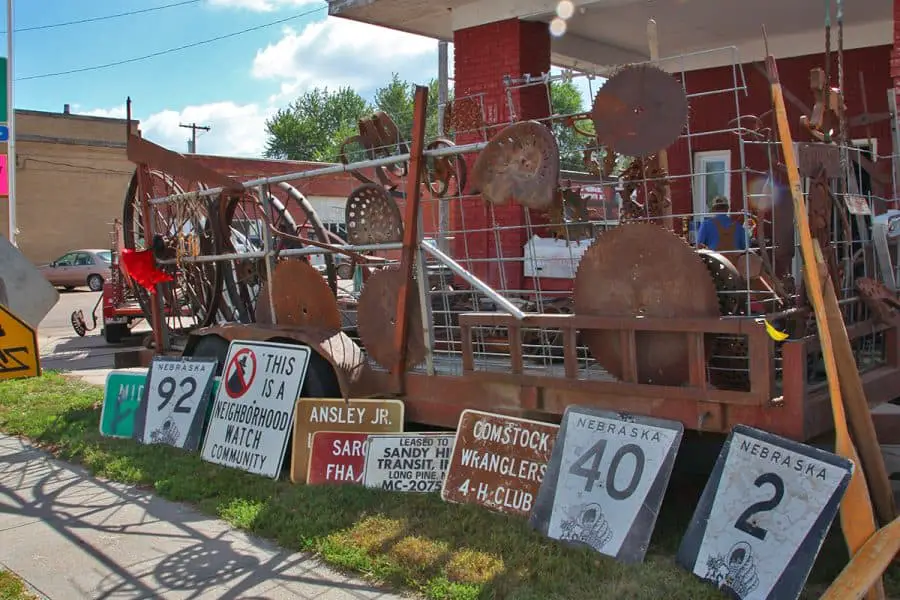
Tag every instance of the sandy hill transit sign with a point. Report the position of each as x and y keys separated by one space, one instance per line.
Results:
x=408 y=462
x=606 y=481
x=336 y=457
x=175 y=400
x=763 y=515
x=254 y=406
x=335 y=414
x=24 y=289
x=18 y=347
x=122 y=395
x=498 y=462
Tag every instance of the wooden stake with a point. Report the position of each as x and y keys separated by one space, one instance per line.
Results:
x=857 y=517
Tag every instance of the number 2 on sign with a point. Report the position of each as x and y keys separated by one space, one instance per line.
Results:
x=592 y=474
x=166 y=390
x=743 y=522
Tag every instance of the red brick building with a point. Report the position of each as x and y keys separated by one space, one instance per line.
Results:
x=494 y=39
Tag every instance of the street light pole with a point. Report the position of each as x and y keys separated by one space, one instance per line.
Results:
x=11 y=119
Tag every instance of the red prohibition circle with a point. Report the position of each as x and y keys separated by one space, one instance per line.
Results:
x=239 y=374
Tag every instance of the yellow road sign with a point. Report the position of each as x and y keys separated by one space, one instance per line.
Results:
x=18 y=347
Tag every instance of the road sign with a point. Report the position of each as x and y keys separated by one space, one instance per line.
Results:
x=23 y=288
x=122 y=395
x=4 y=133
x=18 y=347
x=176 y=396
x=4 y=101
x=409 y=462
x=606 y=481
x=498 y=462
x=763 y=515
x=254 y=406
x=330 y=414
x=336 y=457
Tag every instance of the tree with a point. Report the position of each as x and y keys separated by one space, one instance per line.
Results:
x=397 y=100
x=315 y=125
x=565 y=99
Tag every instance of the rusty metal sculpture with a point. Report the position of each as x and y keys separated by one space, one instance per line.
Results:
x=883 y=303
x=378 y=138
x=441 y=171
x=569 y=217
x=643 y=270
x=372 y=216
x=377 y=319
x=639 y=111
x=644 y=178
x=301 y=298
x=463 y=115
x=520 y=163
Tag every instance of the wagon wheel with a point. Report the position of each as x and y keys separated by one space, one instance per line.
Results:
x=244 y=219
x=440 y=171
x=197 y=285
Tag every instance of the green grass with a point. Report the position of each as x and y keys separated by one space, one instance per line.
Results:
x=418 y=542
x=12 y=588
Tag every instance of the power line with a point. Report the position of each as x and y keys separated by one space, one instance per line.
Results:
x=176 y=49
x=104 y=18
x=194 y=127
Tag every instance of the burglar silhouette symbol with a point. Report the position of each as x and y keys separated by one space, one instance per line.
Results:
x=235 y=383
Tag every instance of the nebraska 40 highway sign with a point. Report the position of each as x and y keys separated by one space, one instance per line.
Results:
x=606 y=481
x=763 y=515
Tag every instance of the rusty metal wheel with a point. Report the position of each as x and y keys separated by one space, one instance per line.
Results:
x=243 y=222
x=184 y=229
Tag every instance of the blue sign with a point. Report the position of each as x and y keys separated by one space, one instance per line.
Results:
x=4 y=133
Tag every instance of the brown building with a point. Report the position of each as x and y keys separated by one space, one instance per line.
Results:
x=71 y=179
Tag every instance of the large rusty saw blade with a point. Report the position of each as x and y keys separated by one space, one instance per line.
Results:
x=520 y=163
x=639 y=111
x=642 y=270
x=376 y=320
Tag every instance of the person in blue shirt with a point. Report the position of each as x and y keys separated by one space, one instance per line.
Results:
x=720 y=232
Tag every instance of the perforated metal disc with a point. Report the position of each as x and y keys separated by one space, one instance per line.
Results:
x=372 y=216
x=377 y=321
x=643 y=270
x=302 y=297
x=639 y=111
x=520 y=163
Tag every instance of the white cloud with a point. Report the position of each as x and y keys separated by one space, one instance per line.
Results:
x=118 y=112
x=261 y=5
x=338 y=52
x=235 y=129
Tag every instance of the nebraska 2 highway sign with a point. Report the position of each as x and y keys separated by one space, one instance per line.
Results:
x=606 y=481
x=764 y=515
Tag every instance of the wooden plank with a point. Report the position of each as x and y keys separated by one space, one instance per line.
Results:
x=857 y=515
x=410 y=229
x=859 y=418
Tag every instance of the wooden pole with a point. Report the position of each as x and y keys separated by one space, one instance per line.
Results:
x=410 y=229
x=857 y=517
x=663 y=156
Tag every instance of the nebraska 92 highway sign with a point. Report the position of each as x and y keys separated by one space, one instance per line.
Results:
x=763 y=515
x=606 y=481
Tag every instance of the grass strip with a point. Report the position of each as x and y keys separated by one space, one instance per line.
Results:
x=412 y=541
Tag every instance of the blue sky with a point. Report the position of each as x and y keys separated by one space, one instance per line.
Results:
x=231 y=84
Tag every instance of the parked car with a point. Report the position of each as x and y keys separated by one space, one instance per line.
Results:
x=79 y=268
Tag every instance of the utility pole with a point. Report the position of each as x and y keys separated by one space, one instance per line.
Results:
x=194 y=127
x=443 y=94
x=11 y=123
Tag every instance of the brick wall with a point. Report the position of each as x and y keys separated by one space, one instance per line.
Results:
x=483 y=56
x=895 y=51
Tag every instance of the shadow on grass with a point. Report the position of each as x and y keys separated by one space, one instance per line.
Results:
x=445 y=551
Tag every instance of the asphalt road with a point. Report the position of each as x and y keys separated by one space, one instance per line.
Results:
x=62 y=349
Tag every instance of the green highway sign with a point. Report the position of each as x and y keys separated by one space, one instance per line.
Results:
x=4 y=116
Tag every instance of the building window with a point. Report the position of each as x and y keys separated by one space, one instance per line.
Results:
x=712 y=177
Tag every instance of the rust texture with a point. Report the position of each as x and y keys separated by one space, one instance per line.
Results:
x=372 y=216
x=376 y=315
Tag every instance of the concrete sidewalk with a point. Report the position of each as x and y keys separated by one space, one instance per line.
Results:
x=72 y=536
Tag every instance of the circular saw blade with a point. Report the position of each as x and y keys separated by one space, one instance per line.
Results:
x=643 y=270
x=520 y=163
x=372 y=216
x=639 y=111
x=301 y=297
x=376 y=318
